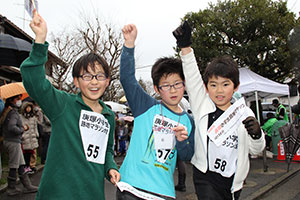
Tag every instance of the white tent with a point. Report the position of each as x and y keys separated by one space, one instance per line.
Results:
x=116 y=107
x=254 y=87
x=266 y=88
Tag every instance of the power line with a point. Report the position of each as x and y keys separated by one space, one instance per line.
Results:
x=294 y=4
x=142 y=67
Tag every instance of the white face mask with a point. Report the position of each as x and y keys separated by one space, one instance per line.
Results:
x=18 y=103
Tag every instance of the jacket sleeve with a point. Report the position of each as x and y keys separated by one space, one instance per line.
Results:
x=185 y=149
x=195 y=86
x=14 y=123
x=109 y=161
x=139 y=101
x=37 y=86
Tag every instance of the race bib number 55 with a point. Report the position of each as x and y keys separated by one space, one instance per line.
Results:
x=94 y=130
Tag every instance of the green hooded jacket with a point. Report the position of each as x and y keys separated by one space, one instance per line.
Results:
x=67 y=173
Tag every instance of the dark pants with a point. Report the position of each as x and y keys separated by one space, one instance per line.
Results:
x=45 y=143
x=128 y=196
x=122 y=147
x=206 y=191
x=27 y=158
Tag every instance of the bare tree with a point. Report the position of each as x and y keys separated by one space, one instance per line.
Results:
x=93 y=36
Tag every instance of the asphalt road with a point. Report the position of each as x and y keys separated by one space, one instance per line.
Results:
x=288 y=190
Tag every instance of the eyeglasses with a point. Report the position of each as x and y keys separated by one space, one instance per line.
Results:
x=89 y=77
x=177 y=85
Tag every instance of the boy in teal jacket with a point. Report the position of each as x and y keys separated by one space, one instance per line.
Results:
x=80 y=153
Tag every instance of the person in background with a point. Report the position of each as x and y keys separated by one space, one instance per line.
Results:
x=29 y=137
x=296 y=108
x=2 y=105
x=281 y=113
x=116 y=138
x=122 y=135
x=13 y=128
x=268 y=128
x=253 y=107
x=46 y=133
x=181 y=175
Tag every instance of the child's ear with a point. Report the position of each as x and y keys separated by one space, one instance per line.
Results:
x=156 y=89
x=237 y=88
x=75 y=81
x=206 y=88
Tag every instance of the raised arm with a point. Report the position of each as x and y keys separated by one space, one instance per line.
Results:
x=194 y=85
x=33 y=72
x=137 y=98
x=39 y=27
x=129 y=32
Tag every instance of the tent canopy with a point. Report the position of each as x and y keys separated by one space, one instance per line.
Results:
x=251 y=82
x=116 y=107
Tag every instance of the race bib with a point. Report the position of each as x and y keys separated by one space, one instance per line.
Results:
x=94 y=130
x=143 y=195
x=164 y=143
x=164 y=137
x=223 y=159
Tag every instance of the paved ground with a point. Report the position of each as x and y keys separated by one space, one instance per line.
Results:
x=257 y=183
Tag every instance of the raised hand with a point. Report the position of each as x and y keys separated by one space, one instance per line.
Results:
x=252 y=126
x=183 y=35
x=130 y=33
x=39 y=27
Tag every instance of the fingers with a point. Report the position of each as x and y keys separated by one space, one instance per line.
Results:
x=248 y=119
x=114 y=176
x=180 y=133
x=128 y=28
x=178 y=32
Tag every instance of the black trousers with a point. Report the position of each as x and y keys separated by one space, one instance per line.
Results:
x=207 y=191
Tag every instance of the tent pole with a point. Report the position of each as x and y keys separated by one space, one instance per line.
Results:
x=265 y=167
x=257 y=107
x=291 y=114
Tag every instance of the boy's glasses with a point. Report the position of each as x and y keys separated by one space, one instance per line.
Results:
x=89 y=77
x=177 y=85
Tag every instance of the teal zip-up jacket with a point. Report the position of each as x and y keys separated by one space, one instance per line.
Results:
x=67 y=173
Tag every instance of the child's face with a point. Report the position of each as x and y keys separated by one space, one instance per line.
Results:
x=220 y=90
x=171 y=96
x=28 y=109
x=93 y=89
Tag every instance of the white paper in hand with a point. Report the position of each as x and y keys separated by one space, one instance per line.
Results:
x=30 y=5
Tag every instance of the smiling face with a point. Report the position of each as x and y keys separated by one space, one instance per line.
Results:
x=173 y=96
x=220 y=90
x=91 y=90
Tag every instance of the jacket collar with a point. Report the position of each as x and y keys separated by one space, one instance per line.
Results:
x=105 y=111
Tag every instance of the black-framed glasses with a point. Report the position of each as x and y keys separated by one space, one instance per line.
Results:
x=167 y=87
x=89 y=77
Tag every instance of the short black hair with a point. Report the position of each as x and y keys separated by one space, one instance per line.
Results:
x=89 y=60
x=270 y=115
x=165 y=66
x=275 y=102
x=223 y=66
x=9 y=101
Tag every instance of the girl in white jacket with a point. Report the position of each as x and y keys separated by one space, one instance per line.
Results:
x=219 y=169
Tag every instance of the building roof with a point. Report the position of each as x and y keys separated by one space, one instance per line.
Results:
x=12 y=29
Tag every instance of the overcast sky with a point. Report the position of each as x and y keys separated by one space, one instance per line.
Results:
x=154 y=19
